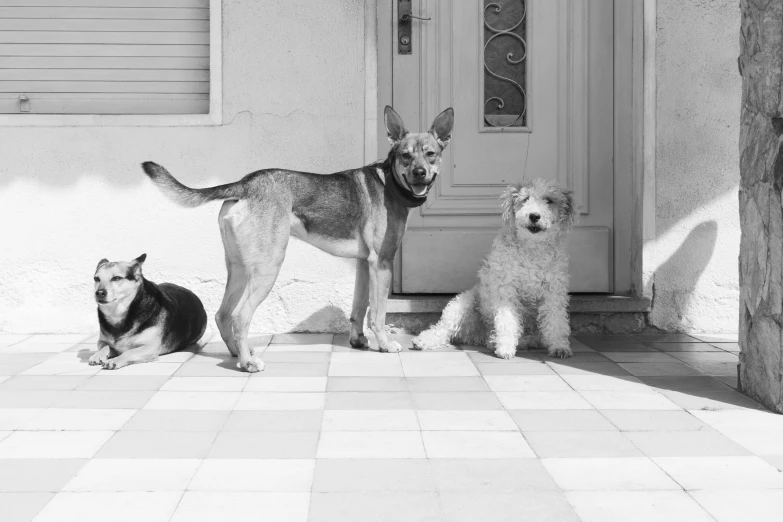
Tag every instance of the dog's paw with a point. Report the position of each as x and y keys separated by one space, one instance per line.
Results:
x=253 y=365
x=97 y=359
x=391 y=347
x=111 y=364
x=506 y=353
x=560 y=353
x=359 y=342
x=428 y=341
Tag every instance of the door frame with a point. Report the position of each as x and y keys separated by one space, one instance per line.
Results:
x=634 y=128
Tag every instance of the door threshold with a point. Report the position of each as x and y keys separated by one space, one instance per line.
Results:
x=580 y=303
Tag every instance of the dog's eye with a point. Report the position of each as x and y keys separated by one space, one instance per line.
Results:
x=524 y=200
x=96 y=279
x=549 y=201
x=116 y=278
x=406 y=155
x=430 y=154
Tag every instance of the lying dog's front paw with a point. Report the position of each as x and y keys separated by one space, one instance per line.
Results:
x=110 y=364
x=252 y=365
x=97 y=359
x=560 y=353
x=391 y=347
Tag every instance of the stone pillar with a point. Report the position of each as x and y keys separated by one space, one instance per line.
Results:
x=761 y=215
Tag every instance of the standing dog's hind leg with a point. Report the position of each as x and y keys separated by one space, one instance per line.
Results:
x=361 y=299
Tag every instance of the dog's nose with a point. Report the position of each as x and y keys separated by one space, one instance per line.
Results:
x=419 y=172
x=534 y=217
x=100 y=293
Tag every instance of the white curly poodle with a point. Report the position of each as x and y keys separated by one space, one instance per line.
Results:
x=521 y=298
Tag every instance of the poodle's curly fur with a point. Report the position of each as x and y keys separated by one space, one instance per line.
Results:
x=522 y=295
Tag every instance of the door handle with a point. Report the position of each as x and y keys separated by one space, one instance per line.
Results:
x=404 y=22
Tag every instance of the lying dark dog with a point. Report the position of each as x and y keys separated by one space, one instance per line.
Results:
x=140 y=320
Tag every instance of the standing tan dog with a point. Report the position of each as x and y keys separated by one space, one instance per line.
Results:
x=359 y=213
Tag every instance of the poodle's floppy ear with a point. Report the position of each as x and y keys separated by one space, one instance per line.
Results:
x=395 y=128
x=568 y=210
x=509 y=197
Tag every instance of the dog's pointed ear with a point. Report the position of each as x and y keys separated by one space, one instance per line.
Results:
x=442 y=127
x=101 y=263
x=140 y=260
x=395 y=128
x=509 y=197
x=136 y=265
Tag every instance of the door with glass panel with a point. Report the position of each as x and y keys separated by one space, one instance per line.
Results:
x=531 y=83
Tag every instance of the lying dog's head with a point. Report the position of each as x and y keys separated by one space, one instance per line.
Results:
x=416 y=156
x=538 y=209
x=118 y=280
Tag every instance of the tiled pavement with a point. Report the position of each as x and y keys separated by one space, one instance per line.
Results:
x=642 y=428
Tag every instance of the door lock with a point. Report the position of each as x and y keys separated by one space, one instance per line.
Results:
x=404 y=23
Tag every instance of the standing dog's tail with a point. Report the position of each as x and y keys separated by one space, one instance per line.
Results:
x=186 y=196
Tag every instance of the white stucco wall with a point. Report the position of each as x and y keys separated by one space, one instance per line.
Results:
x=293 y=89
x=697 y=167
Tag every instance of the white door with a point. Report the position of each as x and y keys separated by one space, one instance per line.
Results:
x=531 y=83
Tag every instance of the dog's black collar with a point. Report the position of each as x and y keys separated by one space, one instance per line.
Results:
x=411 y=200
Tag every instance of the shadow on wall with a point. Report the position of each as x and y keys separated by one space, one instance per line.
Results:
x=680 y=273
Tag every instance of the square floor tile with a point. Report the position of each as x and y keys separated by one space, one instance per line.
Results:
x=466 y=420
x=254 y=475
x=572 y=367
x=43 y=382
x=369 y=384
x=706 y=357
x=205 y=384
x=519 y=383
x=506 y=506
x=556 y=400
x=286 y=384
x=265 y=445
x=665 y=338
x=123 y=383
x=386 y=506
x=684 y=347
x=195 y=369
x=302 y=338
x=622 y=400
x=490 y=474
x=22 y=507
x=176 y=420
x=485 y=355
x=156 y=368
x=205 y=506
x=193 y=400
x=10 y=339
x=370 y=420
x=175 y=357
x=292 y=348
x=561 y=420
x=654 y=420
x=721 y=472
x=285 y=369
x=741 y=419
x=103 y=399
x=447 y=384
x=277 y=356
x=376 y=445
x=157 y=445
x=759 y=442
x=476 y=445
x=741 y=505
x=728 y=347
x=437 y=365
x=365 y=364
x=705 y=400
x=372 y=475
x=71 y=339
x=718 y=338
x=686 y=384
x=639 y=506
x=28 y=398
x=134 y=475
x=36 y=347
x=456 y=401
x=604 y=383
x=514 y=369
x=678 y=369
x=369 y=401
x=12 y=418
x=280 y=401
x=302 y=420
x=640 y=357
x=38 y=474
x=685 y=444
x=549 y=444
x=52 y=444
x=775 y=460
x=121 y=507
x=58 y=419
x=608 y=474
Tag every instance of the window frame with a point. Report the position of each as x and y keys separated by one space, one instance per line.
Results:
x=214 y=117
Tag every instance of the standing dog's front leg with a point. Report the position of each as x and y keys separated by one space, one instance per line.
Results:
x=361 y=298
x=141 y=354
x=553 y=324
x=507 y=329
x=380 y=281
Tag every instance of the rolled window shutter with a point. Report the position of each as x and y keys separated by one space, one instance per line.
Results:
x=104 y=56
